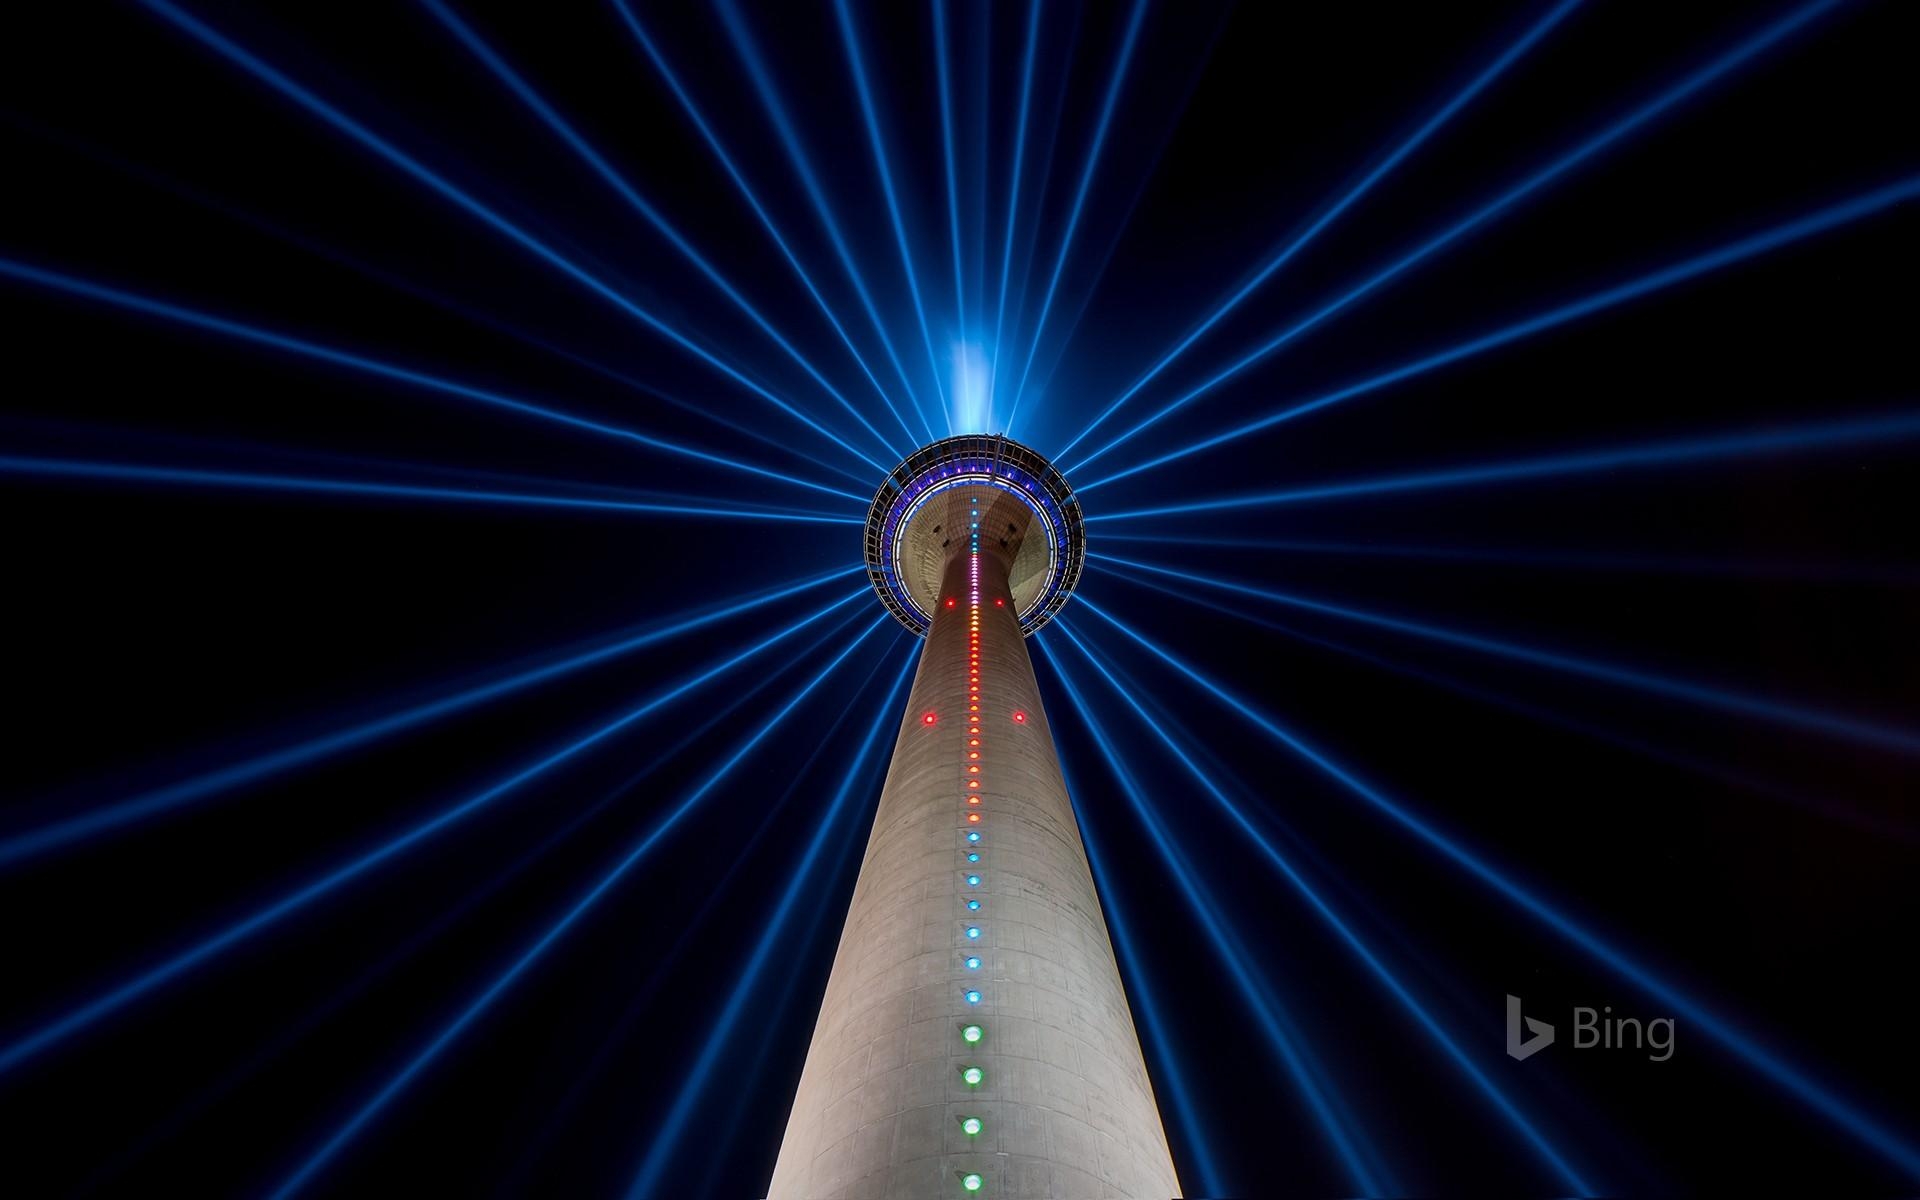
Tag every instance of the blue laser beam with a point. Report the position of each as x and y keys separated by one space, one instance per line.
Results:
x=1824 y=807
x=1804 y=438
x=1087 y=171
x=944 y=71
x=748 y=51
x=876 y=141
x=739 y=180
x=1811 y=720
x=1013 y=188
x=1774 y=1067
x=555 y=664
x=146 y=306
x=352 y=1127
x=185 y=1113
x=1156 y=722
x=117 y=472
x=665 y=965
x=1558 y=559
x=639 y=203
x=100 y=1006
x=666 y=1133
x=1152 y=1026
x=1357 y=1154
x=1694 y=83
x=1831 y=217
x=466 y=202
x=1334 y=211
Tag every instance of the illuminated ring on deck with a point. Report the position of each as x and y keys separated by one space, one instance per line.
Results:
x=979 y=460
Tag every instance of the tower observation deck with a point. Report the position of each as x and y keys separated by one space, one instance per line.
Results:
x=974 y=1038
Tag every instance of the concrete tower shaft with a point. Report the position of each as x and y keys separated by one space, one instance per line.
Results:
x=974 y=1037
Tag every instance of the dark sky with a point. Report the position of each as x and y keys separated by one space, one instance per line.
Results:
x=1698 y=789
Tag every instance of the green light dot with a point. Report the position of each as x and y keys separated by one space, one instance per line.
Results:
x=973 y=1076
x=971 y=1033
x=971 y=1182
x=971 y=1126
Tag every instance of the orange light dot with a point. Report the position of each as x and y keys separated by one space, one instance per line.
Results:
x=973 y=753
x=973 y=742
x=973 y=818
x=973 y=783
x=973 y=799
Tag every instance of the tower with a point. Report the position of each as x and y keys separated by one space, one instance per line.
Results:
x=974 y=1037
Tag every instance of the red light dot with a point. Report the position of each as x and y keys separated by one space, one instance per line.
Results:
x=1019 y=717
x=974 y=741
x=949 y=601
x=999 y=603
x=927 y=720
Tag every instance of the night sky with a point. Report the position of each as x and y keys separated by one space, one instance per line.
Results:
x=437 y=641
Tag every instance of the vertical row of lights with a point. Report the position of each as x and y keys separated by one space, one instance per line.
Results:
x=970 y=1034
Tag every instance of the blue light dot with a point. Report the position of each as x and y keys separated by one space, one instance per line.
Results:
x=973 y=964
x=973 y=837
x=973 y=881
x=973 y=904
x=973 y=997
x=973 y=931
x=974 y=857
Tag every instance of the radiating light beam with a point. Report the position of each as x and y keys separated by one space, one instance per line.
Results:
x=554 y=664
x=118 y=472
x=91 y=1011
x=685 y=98
x=1688 y=87
x=1356 y=1153
x=398 y=1082
x=74 y=286
x=1087 y=171
x=1775 y=1068
x=1808 y=437
x=1157 y=722
x=280 y=82
x=1013 y=188
x=748 y=51
x=850 y=39
x=1153 y=1029
x=1831 y=217
x=1823 y=807
x=664 y=1135
x=944 y=71
x=1333 y=212
x=467 y=37
x=1555 y=558
x=184 y=1113
x=1810 y=720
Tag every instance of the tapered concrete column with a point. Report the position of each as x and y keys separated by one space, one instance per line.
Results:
x=1062 y=1100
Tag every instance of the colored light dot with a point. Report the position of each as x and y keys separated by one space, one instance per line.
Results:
x=974 y=857
x=974 y=904
x=973 y=1076
x=973 y=881
x=973 y=997
x=973 y=964
x=1019 y=718
x=971 y=1126
x=971 y=1033
x=973 y=742
x=973 y=799
x=949 y=601
x=927 y=720
x=999 y=603
x=973 y=837
x=973 y=818
x=971 y=1182
x=973 y=931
